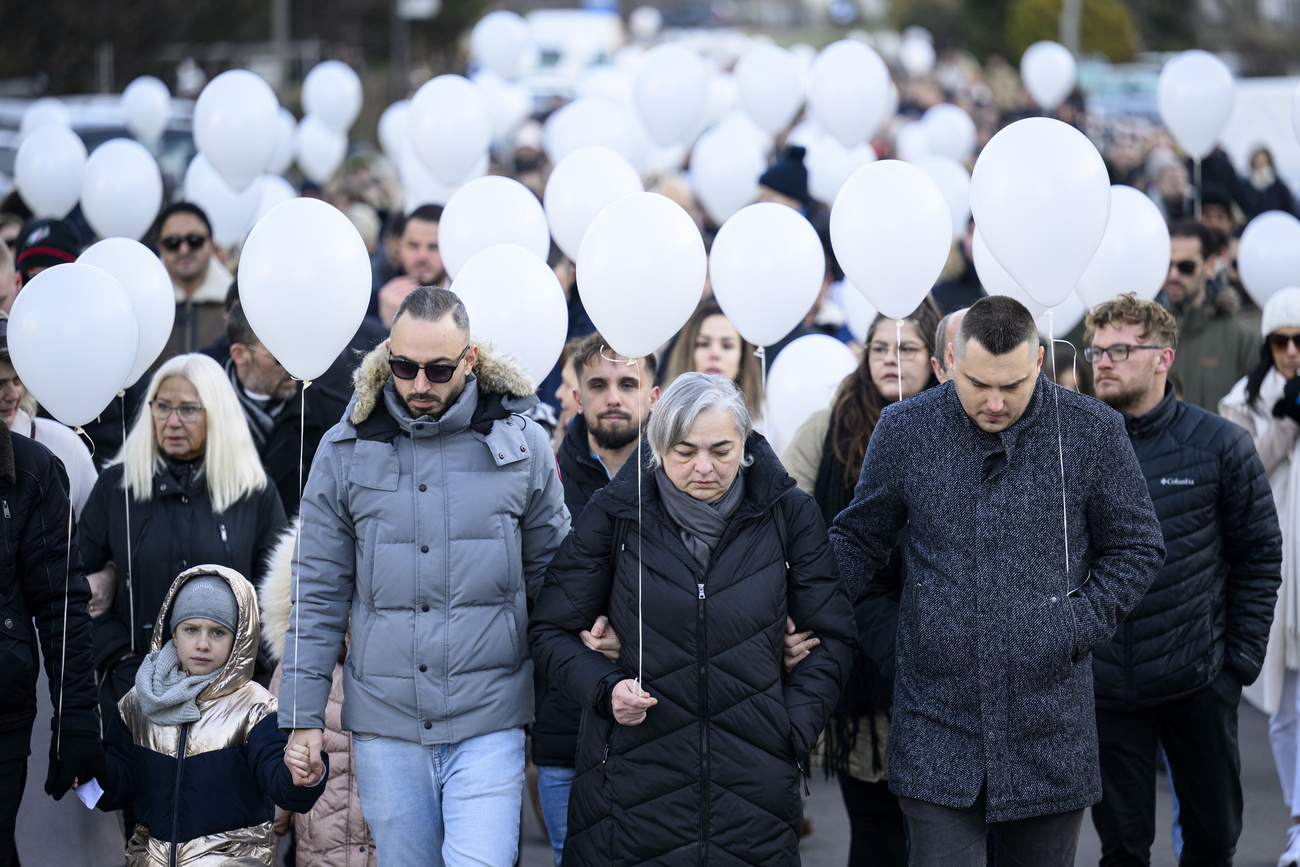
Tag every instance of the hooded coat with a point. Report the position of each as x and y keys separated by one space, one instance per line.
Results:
x=711 y=775
x=434 y=533
x=204 y=793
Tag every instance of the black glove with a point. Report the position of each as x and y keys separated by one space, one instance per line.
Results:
x=1289 y=405
x=79 y=756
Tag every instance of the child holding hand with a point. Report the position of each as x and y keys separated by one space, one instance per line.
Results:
x=195 y=747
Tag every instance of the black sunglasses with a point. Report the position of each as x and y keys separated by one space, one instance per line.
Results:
x=1281 y=341
x=432 y=372
x=1186 y=267
x=172 y=243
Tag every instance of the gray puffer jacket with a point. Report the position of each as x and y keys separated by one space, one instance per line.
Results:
x=434 y=534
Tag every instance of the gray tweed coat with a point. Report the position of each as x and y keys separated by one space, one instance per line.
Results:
x=994 y=681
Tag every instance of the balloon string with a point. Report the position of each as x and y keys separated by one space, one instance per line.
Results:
x=297 y=540
x=898 y=348
x=1196 y=184
x=126 y=502
x=63 y=653
x=640 y=619
x=1060 y=446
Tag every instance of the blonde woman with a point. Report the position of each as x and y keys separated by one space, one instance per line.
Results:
x=197 y=493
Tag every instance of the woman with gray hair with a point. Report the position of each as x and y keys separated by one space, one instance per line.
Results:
x=692 y=742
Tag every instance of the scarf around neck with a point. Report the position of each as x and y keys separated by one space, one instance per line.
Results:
x=700 y=524
x=168 y=696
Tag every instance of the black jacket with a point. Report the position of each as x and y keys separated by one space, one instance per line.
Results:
x=171 y=532
x=711 y=775
x=40 y=582
x=1212 y=603
x=580 y=472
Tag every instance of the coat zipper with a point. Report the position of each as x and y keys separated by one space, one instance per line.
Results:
x=6 y=505
x=176 y=793
x=225 y=541
x=704 y=727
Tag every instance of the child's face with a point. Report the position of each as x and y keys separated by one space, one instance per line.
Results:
x=203 y=646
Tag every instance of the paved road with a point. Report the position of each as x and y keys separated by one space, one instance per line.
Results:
x=1262 y=839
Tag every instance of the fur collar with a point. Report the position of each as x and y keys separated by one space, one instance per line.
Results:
x=275 y=599
x=496 y=374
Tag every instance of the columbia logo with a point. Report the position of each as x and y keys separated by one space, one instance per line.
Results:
x=1177 y=481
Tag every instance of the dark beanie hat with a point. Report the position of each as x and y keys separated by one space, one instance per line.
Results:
x=44 y=244
x=787 y=175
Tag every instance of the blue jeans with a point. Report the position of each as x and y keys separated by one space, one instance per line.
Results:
x=448 y=804
x=553 y=784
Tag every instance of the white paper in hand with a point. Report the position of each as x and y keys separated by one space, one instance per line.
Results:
x=90 y=793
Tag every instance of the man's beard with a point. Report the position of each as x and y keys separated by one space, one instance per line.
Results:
x=614 y=438
x=1124 y=399
x=440 y=405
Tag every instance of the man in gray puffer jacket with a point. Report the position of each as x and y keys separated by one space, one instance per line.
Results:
x=1014 y=576
x=431 y=513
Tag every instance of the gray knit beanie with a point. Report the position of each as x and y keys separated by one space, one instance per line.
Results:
x=207 y=596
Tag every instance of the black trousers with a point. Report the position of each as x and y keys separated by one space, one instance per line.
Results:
x=13 y=779
x=878 y=832
x=1199 y=735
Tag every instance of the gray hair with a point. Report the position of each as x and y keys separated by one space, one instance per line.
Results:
x=691 y=395
x=431 y=303
x=941 y=345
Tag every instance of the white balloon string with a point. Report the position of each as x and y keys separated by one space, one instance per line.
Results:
x=640 y=619
x=898 y=350
x=297 y=540
x=63 y=653
x=1196 y=184
x=126 y=503
x=760 y=353
x=1060 y=445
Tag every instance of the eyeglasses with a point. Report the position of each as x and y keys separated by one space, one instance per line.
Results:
x=1118 y=353
x=432 y=372
x=194 y=240
x=1281 y=341
x=1186 y=267
x=880 y=351
x=188 y=413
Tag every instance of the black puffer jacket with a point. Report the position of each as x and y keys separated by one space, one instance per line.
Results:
x=711 y=776
x=1212 y=603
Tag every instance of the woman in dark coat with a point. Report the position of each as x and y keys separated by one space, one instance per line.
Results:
x=698 y=760
x=197 y=494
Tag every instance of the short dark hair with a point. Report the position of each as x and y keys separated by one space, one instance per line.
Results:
x=1000 y=324
x=395 y=224
x=237 y=327
x=594 y=345
x=427 y=213
x=183 y=208
x=431 y=303
x=232 y=294
x=1193 y=229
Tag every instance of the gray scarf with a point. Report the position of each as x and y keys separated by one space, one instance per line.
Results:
x=706 y=522
x=168 y=696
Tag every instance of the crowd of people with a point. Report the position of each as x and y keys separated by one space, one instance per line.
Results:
x=982 y=592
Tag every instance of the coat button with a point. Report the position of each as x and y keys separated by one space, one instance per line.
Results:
x=424 y=487
x=523 y=448
x=501 y=455
x=185 y=499
x=424 y=608
x=162 y=487
x=428 y=725
x=424 y=549
x=419 y=427
x=423 y=667
x=1053 y=599
x=9 y=623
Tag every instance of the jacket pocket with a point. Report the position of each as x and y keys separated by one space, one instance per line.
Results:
x=17 y=669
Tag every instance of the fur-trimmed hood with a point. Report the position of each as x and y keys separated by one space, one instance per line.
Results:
x=496 y=374
x=275 y=596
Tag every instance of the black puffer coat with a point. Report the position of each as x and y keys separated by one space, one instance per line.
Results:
x=711 y=776
x=1212 y=603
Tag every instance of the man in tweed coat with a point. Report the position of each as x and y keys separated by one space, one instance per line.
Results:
x=1031 y=535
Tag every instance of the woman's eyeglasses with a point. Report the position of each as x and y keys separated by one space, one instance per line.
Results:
x=432 y=372
x=194 y=240
x=1281 y=341
x=188 y=413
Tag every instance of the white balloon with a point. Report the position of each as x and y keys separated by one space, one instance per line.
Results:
x=393 y=129
x=272 y=190
x=645 y=23
x=769 y=86
x=721 y=97
x=949 y=131
x=146 y=102
x=1040 y=194
x=916 y=56
x=586 y=122
x=230 y=211
x=803 y=379
x=1195 y=93
x=859 y=313
x=1269 y=255
x=42 y=112
x=304 y=284
x=830 y=165
x=121 y=190
x=142 y=275
x=766 y=267
x=912 y=141
x=953 y=181
x=1049 y=73
x=641 y=272
x=671 y=92
x=48 y=170
x=515 y=302
x=282 y=157
x=725 y=168
x=585 y=183
x=848 y=86
x=508 y=104
x=1134 y=252
x=499 y=41
x=332 y=92
x=236 y=119
x=65 y=315
x=604 y=82
x=996 y=281
x=318 y=148
x=891 y=231
x=422 y=187
x=449 y=125
x=1295 y=112
x=487 y=212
